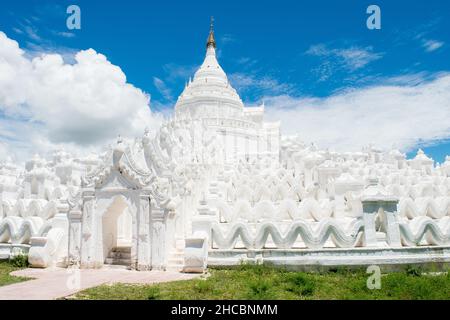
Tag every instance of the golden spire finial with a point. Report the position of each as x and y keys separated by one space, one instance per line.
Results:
x=211 y=41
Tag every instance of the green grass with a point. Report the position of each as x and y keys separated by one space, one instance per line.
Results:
x=262 y=282
x=6 y=267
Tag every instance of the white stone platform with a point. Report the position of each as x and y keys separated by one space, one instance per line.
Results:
x=301 y=259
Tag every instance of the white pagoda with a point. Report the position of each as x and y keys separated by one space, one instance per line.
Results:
x=210 y=99
x=216 y=185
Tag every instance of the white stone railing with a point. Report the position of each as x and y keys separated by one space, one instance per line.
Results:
x=288 y=209
x=37 y=223
x=425 y=231
x=425 y=206
x=312 y=235
x=285 y=210
x=379 y=226
x=18 y=230
x=29 y=208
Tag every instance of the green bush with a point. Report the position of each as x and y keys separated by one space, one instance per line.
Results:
x=153 y=293
x=258 y=269
x=411 y=286
x=203 y=286
x=259 y=289
x=19 y=261
x=414 y=271
x=300 y=284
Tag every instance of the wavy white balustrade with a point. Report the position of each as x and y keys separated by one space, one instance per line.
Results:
x=424 y=230
x=30 y=208
x=19 y=230
x=418 y=191
x=287 y=209
x=313 y=236
x=255 y=192
x=434 y=208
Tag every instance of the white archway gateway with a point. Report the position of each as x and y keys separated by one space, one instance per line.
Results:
x=117 y=230
x=98 y=233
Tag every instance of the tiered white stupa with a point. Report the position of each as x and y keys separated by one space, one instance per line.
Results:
x=210 y=98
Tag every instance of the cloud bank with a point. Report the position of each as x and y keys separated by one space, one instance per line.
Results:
x=46 y=103
x=400 y=116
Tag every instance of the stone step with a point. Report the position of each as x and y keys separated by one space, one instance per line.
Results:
x=121 y=249
x=175 y=261
x=119 y=255
x=176 y=257
x=121 y=262
x=116 y=267
x=175 y=268
x=180 y=244
x=177 y=254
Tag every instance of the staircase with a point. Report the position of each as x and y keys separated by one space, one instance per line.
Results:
x=175 y=261
x=120 y=256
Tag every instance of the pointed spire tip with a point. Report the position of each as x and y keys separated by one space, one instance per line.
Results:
x=211 y=40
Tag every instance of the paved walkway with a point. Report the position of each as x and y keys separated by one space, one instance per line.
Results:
x=58 y=282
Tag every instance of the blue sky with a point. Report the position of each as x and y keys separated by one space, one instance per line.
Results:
x=308 y=49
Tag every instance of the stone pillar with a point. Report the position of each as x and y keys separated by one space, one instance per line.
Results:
x=374 y=199
x=75 y=218
x=134 y=233
x=143 y=239
x=197 y=245
x=201 y=240
x=158 y=237
x=61 y=220
x=87 y=237
x=392 y=226
x=370 y=210
x=389 y=210
x=202 y=227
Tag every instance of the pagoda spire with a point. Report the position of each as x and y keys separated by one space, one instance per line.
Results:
x=211 y=41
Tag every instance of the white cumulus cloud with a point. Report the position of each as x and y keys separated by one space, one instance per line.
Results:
x=46 y=103
x=265 y=84
x=402 y=116
x=348 y=59
x=432 y=45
